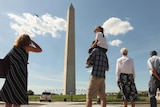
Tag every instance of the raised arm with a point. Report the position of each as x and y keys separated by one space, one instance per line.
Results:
x=34 y=47
x=95 y=43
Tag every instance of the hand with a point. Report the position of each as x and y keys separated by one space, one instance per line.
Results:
x=107 y=69
x=118 y=82
x=90 y=50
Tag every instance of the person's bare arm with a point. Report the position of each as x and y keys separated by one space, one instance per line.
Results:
x=33 y=48
x=87 y=62
x=95 y=43
x=155 y=74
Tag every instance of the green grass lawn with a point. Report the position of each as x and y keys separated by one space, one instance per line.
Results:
x=111 y=99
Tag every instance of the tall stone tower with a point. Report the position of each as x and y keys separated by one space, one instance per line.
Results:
x=69 y=55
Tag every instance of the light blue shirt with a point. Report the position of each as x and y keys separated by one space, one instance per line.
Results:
x=154 y=63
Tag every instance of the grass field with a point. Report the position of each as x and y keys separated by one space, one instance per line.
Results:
x=112 y=99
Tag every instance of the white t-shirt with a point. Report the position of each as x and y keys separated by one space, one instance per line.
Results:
x=154 y=63
x=124 y=65
x=101 y=40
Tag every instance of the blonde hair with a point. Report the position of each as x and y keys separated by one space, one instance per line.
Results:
x=124 y=51
x=22 y=40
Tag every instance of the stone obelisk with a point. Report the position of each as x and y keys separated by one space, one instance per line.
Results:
x=69 y=55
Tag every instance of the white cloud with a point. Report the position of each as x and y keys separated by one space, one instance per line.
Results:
x=115 y=26
x=36 y=25
x=116 y=42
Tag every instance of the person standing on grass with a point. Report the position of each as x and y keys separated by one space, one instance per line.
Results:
x=97 y=79
x=125 y=76
x=154 y=82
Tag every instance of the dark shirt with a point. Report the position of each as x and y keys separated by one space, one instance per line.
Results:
x=100 y=62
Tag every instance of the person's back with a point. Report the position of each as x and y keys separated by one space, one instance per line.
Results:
x=125 y=77
x=155 y=63
x=126 y=65
x=97 y=79
x=100 y=39
x=154 y=82
x=99 y=42
x=100 y=61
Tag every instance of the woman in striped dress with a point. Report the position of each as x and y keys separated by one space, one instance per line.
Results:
x=14 y=90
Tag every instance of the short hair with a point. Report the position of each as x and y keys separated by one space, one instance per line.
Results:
x=153 y=53
x=124 y=51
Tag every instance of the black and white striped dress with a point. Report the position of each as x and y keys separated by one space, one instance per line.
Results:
x=14 y=90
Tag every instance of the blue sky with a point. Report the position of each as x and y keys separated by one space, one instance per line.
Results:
x=131 y=24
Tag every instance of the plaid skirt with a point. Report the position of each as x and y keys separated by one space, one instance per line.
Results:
x=128 y=87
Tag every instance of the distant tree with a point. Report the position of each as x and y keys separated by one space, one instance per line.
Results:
x=30 y=92
x=119 y=95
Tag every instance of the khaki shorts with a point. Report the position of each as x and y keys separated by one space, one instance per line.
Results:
x=96 y=88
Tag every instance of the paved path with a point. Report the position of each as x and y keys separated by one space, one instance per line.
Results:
x=78 y=106
x=82 y=104
x=71 y=104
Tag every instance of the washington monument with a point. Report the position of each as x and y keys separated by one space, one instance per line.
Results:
x=69 y=55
